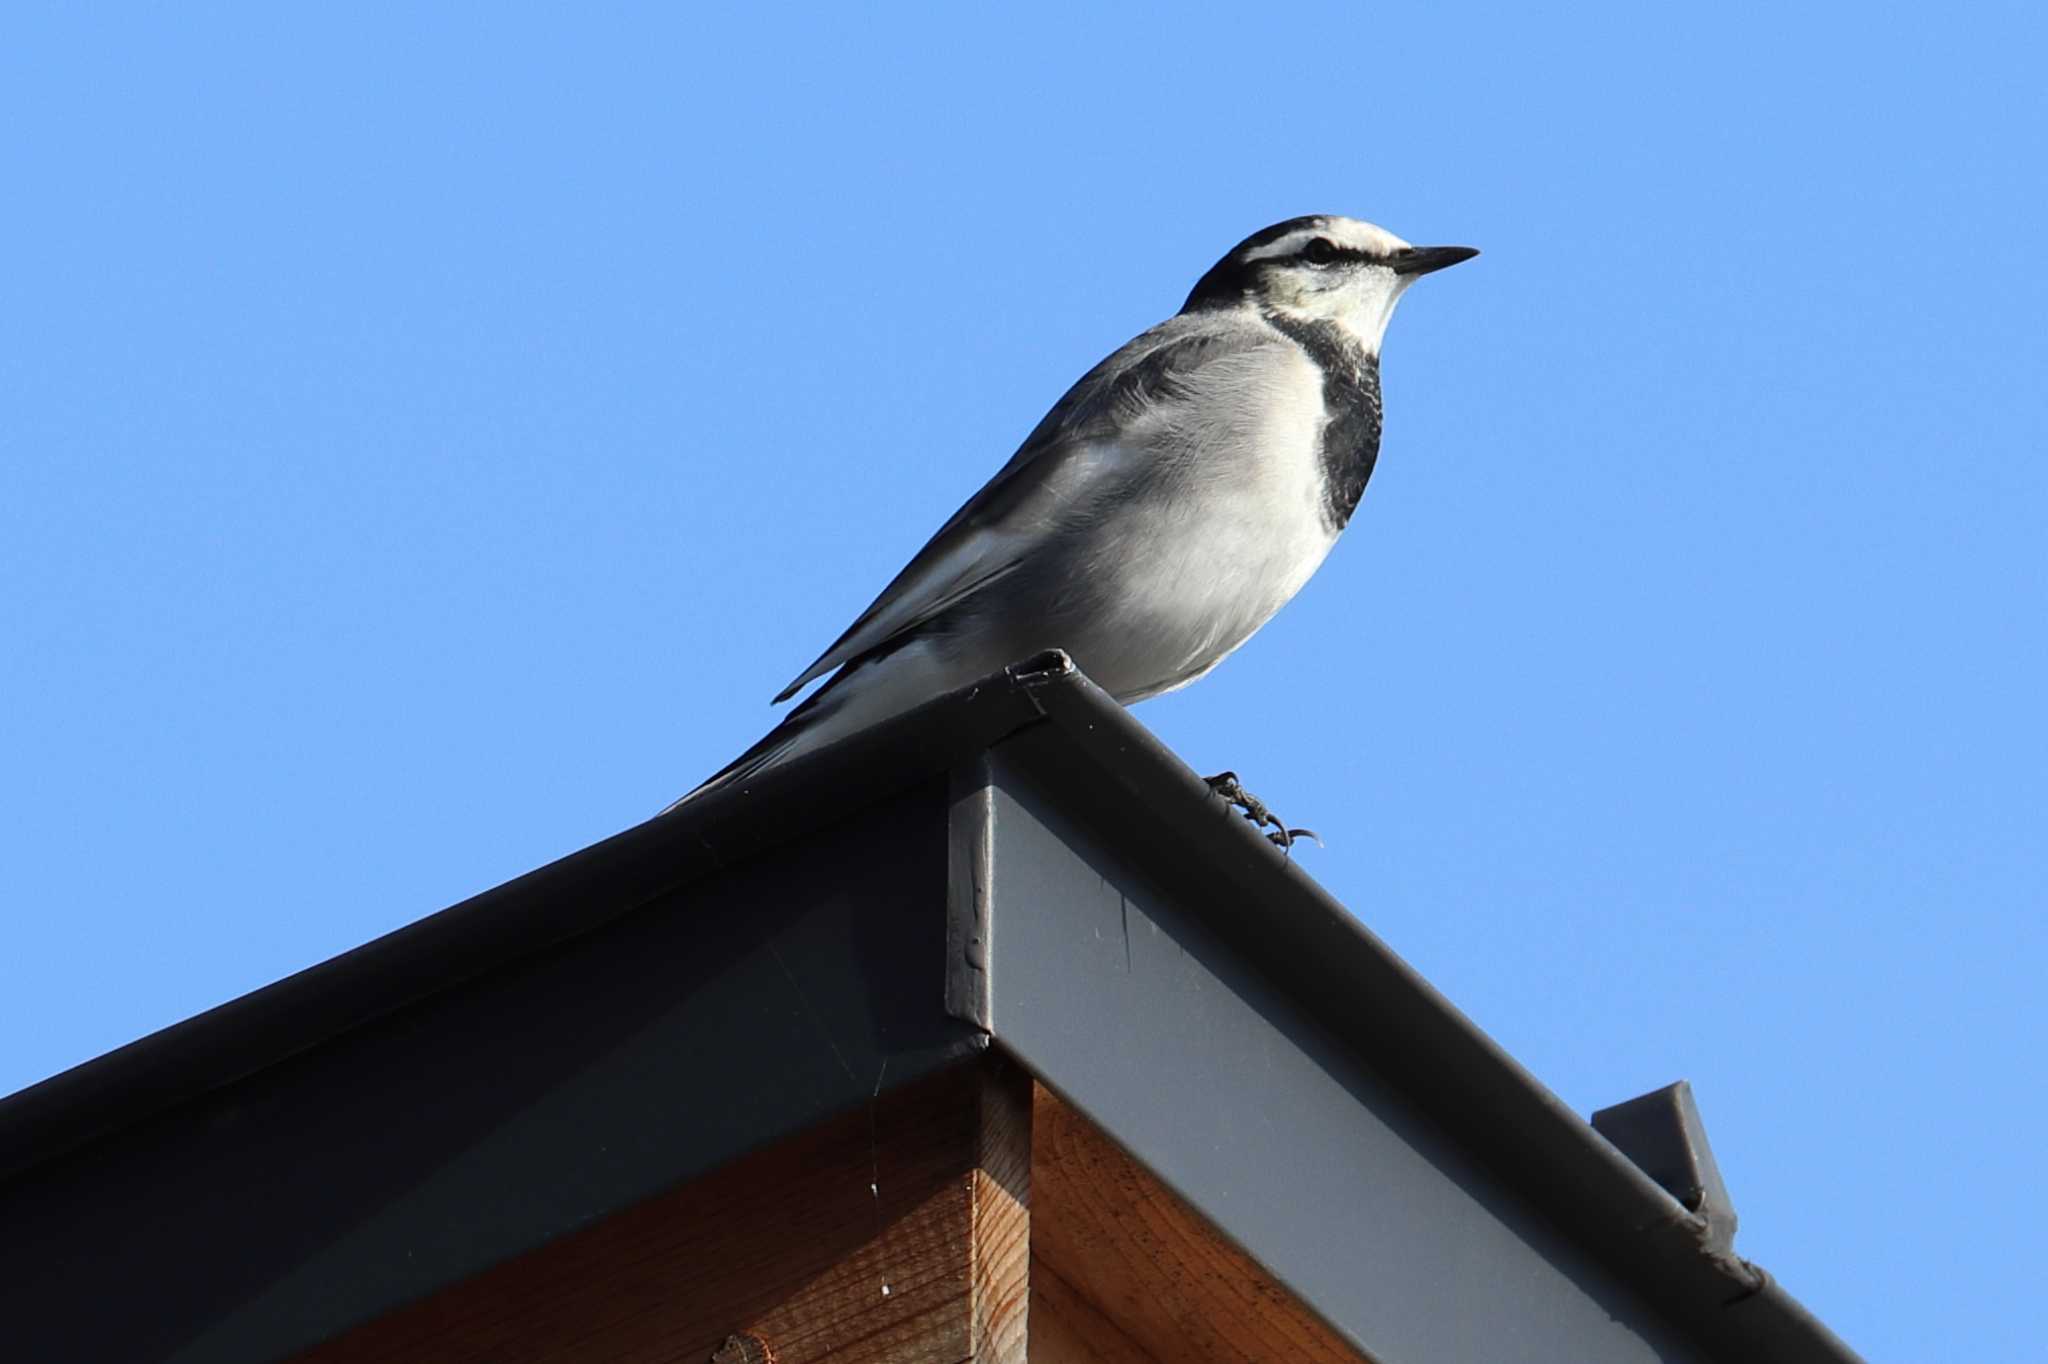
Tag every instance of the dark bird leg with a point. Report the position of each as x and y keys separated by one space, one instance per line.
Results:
x=1226 y=785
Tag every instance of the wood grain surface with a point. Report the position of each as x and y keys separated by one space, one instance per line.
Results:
x=1123 y=1271
x=896 y=1233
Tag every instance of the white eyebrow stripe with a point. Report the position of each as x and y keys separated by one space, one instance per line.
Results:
x=1288 y=245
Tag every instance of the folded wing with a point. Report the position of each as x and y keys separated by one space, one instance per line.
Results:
x=1068 y=461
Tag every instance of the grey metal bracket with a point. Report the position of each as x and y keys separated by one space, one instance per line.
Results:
x=1662 y=1133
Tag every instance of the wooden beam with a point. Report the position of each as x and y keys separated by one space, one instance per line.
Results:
x=999 y=1217
x=897 y=1233
x=1124 y=1272
x=1066 y=1328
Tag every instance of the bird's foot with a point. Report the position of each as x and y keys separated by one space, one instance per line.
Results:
x=1226 y=785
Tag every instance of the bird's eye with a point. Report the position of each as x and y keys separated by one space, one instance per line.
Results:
x=1321 y=251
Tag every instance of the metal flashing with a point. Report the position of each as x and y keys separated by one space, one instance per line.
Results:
x=530 y=914
x=1019 y=863
x=970 y=891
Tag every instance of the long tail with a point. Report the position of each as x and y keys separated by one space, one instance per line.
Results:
x=860 y=694
x=778 y=745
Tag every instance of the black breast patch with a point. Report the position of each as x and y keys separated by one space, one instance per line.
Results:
x=1351 y=406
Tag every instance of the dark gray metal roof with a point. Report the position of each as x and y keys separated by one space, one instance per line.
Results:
x=1019 y=863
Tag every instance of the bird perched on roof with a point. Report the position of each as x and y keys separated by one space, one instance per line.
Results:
x=1163 y=510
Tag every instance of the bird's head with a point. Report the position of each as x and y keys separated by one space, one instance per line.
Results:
x=1322 y=269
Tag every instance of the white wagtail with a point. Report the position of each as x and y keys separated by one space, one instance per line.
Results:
x=1165 y=508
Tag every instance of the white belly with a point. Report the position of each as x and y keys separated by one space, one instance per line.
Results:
x=1198 y=565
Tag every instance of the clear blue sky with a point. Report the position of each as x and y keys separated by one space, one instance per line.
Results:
x=427 y=442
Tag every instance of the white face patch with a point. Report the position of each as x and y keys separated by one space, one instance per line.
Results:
x=1358 y=298
x=1361 y=300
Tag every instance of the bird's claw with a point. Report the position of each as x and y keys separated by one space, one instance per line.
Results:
x=1227 y=786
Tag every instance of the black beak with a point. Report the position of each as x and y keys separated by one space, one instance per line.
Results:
x=1420 y=260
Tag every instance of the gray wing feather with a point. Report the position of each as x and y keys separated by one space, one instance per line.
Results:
x=1002 y=524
